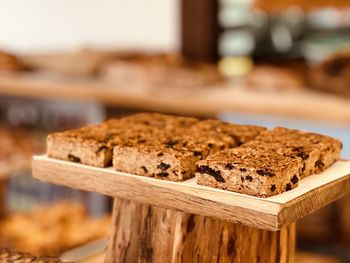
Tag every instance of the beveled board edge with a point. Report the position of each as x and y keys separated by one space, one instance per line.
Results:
x=264 y=213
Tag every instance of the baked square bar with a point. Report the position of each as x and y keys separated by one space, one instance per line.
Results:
x=240 y=133
x=169 y=157
x=317 y=151
x=93 y=145
x=249 y=171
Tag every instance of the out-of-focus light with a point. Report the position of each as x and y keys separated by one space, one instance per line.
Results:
x=236 y=43
x=281 y=38
x=233 y=17
x=235 y=66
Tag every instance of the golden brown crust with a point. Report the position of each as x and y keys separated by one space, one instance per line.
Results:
x=250 y=171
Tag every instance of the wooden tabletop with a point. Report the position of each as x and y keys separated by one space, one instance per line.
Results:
x=208 y=101
x=271 y=213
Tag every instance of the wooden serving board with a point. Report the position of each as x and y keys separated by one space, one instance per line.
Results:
x=271 y=213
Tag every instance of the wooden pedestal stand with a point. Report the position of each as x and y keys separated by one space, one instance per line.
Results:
x=3 y=183
x=168 y=222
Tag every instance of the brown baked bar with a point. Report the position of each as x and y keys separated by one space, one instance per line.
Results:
x=240 y=133
x=249 y=171
x=93 y=145
x=170 y=157
x=317 y=151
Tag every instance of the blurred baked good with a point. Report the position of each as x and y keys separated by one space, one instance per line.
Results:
x=51 y=230
x=83 y=63
x=16 y=148
x=11 y=256
x=273 y=78
x=159 y=71
x=9 y=62
x=333 y=75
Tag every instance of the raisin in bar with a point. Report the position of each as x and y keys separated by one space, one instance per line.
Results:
x=249 y=171
x=317 y=151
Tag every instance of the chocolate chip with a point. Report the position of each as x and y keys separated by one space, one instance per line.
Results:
x=264 y=172
x=205 y=169
x=272 y=187
x=73 y=158
x=249 y=178
x=171 y=143
x=160 y=154
x=146 y=123
x=303 y=155
x=236 y=139
x=144 y=169
x=242 y=178
x=319 y=164
x=162 y=174
x=288 y=187
x=141 y=141
x=294 y=179
x=197 y=153
x=222 y=147
x=229 y=166
x=163 y=166
x=101 y=148
x=210 y=145
x=243 y=170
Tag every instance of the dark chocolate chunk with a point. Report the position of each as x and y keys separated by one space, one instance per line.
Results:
x=236 y=139
x=303 y=155
x=163 y=174
x=73 y=158
x=144 y=169
x=197 y=153
x=160 y=154
x=249 y=178
x=141 y=141
x=288 y=187
x=229 y=166
x=294 y=179
x=264 y=172
x=207 y=170
x=210 y=145
x=273 y=187
x=319 y=164
x=171 y=143
x=243 y=170
x=163 y=166
x=101 y=148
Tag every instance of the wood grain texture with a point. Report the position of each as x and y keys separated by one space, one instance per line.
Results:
x=3 y=186
x=271 y=213
x=146 y=233
x=202 y=102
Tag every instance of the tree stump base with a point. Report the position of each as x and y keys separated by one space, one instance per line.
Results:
x=152 y=234
x=3 y=184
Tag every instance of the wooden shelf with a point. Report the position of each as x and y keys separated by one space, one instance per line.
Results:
x=202 y=102
x=271 y=213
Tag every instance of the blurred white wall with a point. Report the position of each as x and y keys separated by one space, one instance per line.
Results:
x=50 y=25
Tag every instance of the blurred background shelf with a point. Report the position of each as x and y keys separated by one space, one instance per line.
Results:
x=209 y=101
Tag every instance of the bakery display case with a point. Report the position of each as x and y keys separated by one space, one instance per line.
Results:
x=184 y=186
